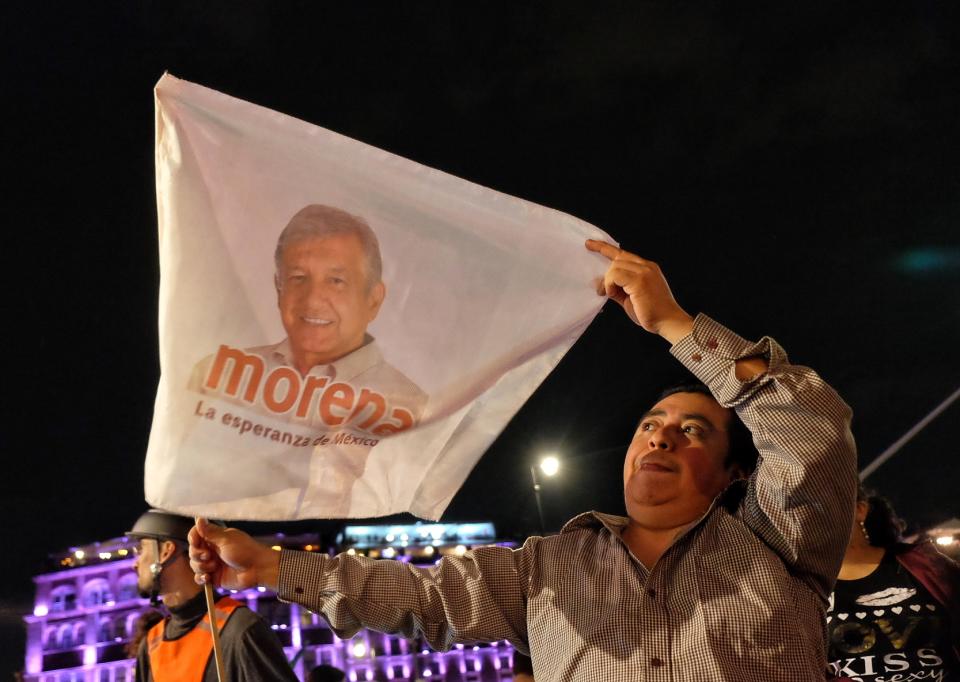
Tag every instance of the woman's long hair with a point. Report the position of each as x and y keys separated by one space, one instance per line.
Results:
x=144 y=622
x=882 y=524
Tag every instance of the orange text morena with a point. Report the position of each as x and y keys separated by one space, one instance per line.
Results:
x=284 y=392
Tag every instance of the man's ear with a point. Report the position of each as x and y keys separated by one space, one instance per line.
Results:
x=167 y=549
x=375 y=299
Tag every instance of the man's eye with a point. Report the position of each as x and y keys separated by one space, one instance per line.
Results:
x=692 y=430
x=647 y=426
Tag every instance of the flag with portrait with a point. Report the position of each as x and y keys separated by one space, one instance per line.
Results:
x=343 y=332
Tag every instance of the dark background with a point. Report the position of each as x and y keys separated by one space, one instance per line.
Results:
x=793 y=169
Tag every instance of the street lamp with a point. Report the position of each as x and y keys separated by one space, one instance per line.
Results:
x=549 y=466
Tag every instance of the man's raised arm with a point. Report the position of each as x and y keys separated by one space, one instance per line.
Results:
x=800 y=499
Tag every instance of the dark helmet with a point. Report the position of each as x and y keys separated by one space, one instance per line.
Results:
x=161 y=525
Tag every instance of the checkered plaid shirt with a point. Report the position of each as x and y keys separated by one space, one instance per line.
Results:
x=739 y=596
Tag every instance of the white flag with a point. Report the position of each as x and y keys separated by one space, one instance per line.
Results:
x=343 y=332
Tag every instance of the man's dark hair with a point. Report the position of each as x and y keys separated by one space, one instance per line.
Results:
x=883 y=525
x=741 y=451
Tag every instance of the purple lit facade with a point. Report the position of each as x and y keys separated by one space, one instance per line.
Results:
x=85 y=615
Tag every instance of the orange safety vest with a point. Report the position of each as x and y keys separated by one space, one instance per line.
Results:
x=185 y=659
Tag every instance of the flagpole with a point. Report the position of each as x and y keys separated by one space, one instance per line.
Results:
x=215 y=631
x=214 y=628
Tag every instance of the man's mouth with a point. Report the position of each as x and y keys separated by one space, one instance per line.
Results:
x=318 y=321
x=652 y=464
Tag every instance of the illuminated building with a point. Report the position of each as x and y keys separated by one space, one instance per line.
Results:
x=85 y=614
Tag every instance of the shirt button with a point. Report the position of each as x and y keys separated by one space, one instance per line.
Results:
x=656 y=662
x=696 y=357
x=298 y=590
x=712 y=343
x=652 y=593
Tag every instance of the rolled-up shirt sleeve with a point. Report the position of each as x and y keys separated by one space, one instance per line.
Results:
x=480 y=596
x=801 y=497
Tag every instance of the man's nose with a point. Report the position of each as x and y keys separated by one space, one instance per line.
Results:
x=319 y=290
x=661 y=440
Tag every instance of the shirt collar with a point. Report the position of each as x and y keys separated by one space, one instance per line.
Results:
x=595 y=519
x=729 y=499
x=346 y=368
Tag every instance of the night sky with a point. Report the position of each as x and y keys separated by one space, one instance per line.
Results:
x=794 y=170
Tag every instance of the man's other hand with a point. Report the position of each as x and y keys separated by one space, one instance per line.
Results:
x=230 y=558
x=639 y=286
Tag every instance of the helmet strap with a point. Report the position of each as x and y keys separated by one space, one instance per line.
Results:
x=156 y=570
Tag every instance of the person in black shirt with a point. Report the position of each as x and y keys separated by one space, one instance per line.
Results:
x=894 y=611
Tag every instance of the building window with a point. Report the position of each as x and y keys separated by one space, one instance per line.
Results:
x=96 y=593
x=128 y=587
x=65 y=636
x=50 y=637
x=105 y=632
x=63 y=598
x=131 y=624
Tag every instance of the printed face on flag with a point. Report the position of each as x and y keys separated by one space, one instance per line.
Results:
x=326 y=298
x=342 y=332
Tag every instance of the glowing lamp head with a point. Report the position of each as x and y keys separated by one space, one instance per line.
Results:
x=359 y=650
x=944 y=540
x=549 y=465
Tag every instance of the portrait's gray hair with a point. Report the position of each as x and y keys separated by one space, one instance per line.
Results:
x=317 y=221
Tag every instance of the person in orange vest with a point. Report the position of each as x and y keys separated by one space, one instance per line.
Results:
x=180 y=647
